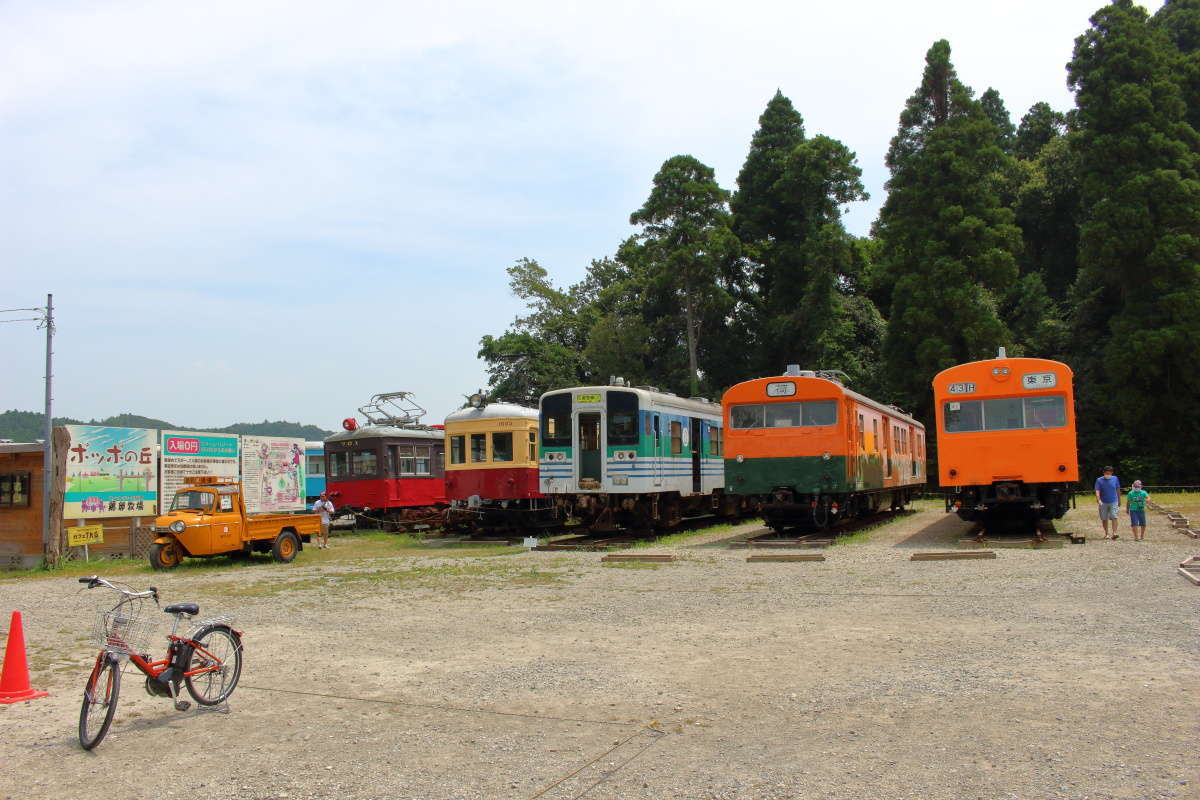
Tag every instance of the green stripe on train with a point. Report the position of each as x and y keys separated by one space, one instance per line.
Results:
x=807 y=474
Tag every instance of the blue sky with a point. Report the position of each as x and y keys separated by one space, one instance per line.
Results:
x=251 y=210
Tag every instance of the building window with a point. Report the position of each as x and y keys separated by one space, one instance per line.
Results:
x=458 y=450
x=14 y=488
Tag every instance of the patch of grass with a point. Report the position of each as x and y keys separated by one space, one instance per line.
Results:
x=683 y=537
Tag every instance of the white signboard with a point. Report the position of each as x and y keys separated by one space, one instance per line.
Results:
x=1039 y=380
x=187 y=454
x=272 y=474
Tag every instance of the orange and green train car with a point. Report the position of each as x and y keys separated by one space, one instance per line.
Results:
x=1006 y=438
x=814 y=451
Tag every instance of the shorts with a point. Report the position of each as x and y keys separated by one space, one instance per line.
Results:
x=1137 y=517
x=1109 y=510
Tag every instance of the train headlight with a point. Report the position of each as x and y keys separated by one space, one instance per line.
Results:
x=475 y=400
x=178 y=526
x=621 y=455
x=825 y=456
x=632 y=455
x=740 y=458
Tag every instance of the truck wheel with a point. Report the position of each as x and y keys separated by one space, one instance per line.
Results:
x=165 y=556
x=285 y=547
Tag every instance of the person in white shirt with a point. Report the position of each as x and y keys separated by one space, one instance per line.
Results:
x=324 y=508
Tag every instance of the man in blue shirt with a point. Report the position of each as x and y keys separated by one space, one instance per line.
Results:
x=1108 y=496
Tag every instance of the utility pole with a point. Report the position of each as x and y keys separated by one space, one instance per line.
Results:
x=48 y=453
x=46 y=320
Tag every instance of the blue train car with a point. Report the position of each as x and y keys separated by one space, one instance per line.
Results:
x=314 y=470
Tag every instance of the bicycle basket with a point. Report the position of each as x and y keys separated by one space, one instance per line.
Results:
x=123 y=629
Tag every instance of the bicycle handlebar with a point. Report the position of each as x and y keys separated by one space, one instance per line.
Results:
x=93 y=581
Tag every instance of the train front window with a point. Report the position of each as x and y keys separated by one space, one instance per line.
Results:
x=1005 y=414
x=1045 y=412
x=743 y=417
x=818 y=413
x=339 y=465
x=622 y=418
x=807 y=414
x=364 y=462
x=502 y=447
x=556 y=420
x=458 y=450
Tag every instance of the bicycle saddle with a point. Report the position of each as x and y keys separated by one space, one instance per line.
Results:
x=191 y=609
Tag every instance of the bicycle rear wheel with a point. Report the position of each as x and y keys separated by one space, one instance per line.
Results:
x=220 y=657
x=99 y=702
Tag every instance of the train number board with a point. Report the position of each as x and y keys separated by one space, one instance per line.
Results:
x=781 y=389
x=961 y=388
x=1039 y=380
x=587 y=398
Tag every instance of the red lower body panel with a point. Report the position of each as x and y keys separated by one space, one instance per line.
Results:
x=387 y=493
x=513 y=483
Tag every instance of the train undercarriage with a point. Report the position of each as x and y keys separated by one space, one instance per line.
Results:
x=1010 y=506
x=661 y=511
x=785 y=508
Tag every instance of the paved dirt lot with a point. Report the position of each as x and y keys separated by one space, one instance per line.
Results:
x=1068 y=673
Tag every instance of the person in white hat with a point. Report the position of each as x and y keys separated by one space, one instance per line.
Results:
x=1135 y=501
x=324 y=508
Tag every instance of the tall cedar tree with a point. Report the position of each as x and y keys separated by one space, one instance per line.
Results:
x=1135 y=325
x=1180 y=20
x=787 y=215
x=684 y=242
x=947 y=244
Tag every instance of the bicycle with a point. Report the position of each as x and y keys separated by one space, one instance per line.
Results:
x=208 y=660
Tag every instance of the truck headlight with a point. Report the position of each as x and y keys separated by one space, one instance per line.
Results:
x=178 y=526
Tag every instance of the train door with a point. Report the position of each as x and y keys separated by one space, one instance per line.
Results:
x=657 y=458
x=590 y=460
x=697 y=442
x=853 y=436
x=887 y=447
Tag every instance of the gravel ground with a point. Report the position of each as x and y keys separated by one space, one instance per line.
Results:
x=1057 y=673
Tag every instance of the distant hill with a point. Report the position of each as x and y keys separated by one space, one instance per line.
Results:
x=27 y=426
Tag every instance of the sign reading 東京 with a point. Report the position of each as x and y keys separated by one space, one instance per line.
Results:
x=187 y=454
x=111 y=472
x=272 y=474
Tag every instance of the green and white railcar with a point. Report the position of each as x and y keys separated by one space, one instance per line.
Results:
x=634 y=457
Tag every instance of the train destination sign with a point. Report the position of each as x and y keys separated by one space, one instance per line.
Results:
x=781 y=389
x=1039 y=380
x=961 y=388
x=587 y=398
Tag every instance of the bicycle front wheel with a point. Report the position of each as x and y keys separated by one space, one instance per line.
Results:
x=99 y=702
x=214 y=666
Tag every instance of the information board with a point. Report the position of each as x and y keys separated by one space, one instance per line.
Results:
x=272 y=474
x=80 y=535
x=111 y=472
x=187 y=454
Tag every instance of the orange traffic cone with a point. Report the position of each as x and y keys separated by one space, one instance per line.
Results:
x=14 y=677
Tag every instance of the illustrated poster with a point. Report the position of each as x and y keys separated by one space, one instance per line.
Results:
x=111 y=472
x=272 y=474
x=186 y=454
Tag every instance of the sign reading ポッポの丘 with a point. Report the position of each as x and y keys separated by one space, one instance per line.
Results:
x=111 y=472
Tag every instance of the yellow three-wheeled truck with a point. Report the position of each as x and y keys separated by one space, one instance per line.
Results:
x=208 y=518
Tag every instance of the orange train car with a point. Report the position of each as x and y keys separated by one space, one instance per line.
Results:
x=1006 y=438
x=814 y=451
